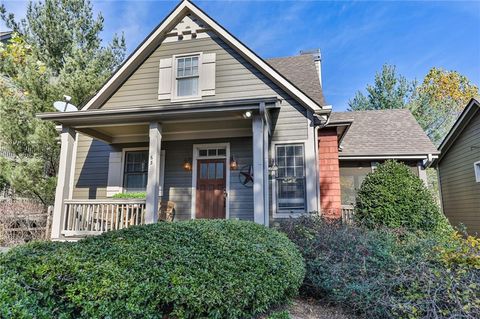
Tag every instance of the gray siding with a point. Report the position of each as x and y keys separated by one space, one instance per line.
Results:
x=91 y=168
x=460 y=191
x=91 y=173
x=235 y=79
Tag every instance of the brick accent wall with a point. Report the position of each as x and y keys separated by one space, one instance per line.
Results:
x=329 y=171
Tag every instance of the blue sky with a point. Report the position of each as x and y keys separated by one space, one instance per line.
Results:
x=355 y=38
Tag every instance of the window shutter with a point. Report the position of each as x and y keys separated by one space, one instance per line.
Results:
x=165 y=79
x=208 y=74
x=114 y=184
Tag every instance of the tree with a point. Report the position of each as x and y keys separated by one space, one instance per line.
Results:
x=56 y=50
x=439 y=100
x=389 y=91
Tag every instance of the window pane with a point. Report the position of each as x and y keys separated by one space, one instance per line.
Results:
x=202 y=152
x=222 y=152
x=291 y=194
x=219 y=174
x=187 y=87
x=136 y=182
x=203 y=170
x=212 y=152
x=290 y=178
x=211 y=170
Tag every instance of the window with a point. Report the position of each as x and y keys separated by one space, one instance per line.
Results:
x=187 y=76
x=476 y=166
x=212 y=152
x=135 y=171
x=290 y=178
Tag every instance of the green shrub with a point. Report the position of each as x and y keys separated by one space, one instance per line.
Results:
x=140 y=195
x=192 y=269
x=379 y=273
x=394 y=197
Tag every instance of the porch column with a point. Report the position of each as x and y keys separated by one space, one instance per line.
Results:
x=155 y=142
x=258 y=169
x=67 y=137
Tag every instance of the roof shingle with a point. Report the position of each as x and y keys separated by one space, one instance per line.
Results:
x=301 y=71
x=383 y=132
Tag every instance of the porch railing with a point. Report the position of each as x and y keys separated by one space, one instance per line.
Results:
x=93 y=217
x=347 y=214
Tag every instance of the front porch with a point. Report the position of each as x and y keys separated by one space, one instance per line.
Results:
x=93 y=167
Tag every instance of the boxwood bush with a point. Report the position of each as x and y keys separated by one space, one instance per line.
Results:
x=192 y=269
x=394 y=197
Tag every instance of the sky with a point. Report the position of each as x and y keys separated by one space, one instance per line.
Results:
x=356 y=38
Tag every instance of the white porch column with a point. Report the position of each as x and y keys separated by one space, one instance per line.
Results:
x=151 y=209
x=258 y=170
x=67 y=137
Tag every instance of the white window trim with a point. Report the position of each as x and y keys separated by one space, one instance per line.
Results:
x=276 y=213
x=476 y=170
x=175 y=97
x=196 y=148
x=162 y=167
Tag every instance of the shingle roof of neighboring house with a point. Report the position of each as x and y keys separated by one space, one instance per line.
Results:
x=383 y=132
x=301 y=71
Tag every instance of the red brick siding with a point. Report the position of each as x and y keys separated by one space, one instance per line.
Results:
x=330 y=198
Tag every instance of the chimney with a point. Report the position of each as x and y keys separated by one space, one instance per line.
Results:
x=317 y=58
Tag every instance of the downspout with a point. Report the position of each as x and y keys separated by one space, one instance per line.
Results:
x=319 y=124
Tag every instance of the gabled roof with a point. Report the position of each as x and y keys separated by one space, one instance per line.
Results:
x=155 y=39
x=462 y=121
x=301 y=71
x=383 y=133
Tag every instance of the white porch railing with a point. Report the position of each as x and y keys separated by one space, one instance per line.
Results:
x=93 y=217
x=347 y=214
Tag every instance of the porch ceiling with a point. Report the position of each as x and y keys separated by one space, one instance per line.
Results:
x=171 y=130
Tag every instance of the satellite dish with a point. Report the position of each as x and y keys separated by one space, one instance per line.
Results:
x=64 y=106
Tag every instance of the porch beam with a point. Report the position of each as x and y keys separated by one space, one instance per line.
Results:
x=258 y=169
x=153 y=182
x=67 y=137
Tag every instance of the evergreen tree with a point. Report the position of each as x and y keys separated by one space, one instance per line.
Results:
x=55 y=50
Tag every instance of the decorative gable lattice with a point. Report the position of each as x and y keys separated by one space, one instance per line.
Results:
x=190 y=27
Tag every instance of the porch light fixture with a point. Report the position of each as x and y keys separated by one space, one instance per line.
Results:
x=187 y=165
x=233 y=164
x=247 y=114
x=272 y=167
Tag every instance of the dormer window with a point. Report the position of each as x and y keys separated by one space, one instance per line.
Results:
x=187 y=76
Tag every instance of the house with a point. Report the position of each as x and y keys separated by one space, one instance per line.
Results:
x=195 y=118
x=459 y=169
x=5 y=36
x=367 y=138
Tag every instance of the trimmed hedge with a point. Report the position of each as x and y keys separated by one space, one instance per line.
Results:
x=192 y=269
x=394 y=197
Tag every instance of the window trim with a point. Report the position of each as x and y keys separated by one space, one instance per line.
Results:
x=476 y=170
x=175 y=97
x=275 y=211
x=122 y=167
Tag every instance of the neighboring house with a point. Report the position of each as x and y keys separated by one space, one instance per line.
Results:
x=368 y=138
x=459 y=169
x=196 y=118
x=5 y=36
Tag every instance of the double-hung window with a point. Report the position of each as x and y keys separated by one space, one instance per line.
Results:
x=290 y=178
x=187 y=76
x=135 y=171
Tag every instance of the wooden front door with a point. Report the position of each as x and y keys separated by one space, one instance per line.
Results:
x=211 y=198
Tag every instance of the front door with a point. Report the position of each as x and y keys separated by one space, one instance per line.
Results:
x=210 y=193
